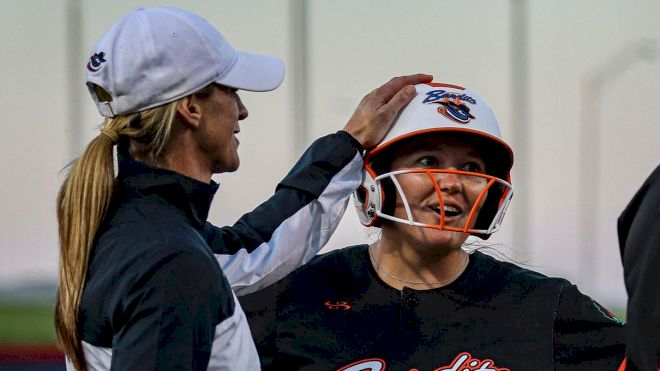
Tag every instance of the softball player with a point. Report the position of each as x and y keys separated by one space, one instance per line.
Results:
x=145 y=281
x=416 y=299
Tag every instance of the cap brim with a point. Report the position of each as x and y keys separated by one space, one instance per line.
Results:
x=254 y=72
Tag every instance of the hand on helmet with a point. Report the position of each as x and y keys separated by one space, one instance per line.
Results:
x=376 y=112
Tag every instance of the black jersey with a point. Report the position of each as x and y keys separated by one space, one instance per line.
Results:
x=335 y=313
x=159 y=292
x=639 y=241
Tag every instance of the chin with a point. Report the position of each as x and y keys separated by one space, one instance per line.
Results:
x=434 y=238
x=227 y=167
x=443 y=239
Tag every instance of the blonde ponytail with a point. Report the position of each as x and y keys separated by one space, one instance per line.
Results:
x=83 y=201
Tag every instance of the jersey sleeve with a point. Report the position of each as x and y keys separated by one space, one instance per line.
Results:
x=586 y=336
x=289 y=228
x=171 y=316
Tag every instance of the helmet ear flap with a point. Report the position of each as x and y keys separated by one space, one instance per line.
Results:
x=493 y=210
x=487 y=213
x=388 y=197
x=367 y=199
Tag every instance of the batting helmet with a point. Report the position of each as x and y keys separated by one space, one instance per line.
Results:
x=441 y=108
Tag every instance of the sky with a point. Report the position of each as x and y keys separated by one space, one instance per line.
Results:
x=350 y=48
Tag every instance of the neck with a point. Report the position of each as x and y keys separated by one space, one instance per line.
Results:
x=400 y=265
x=182 y=157
x=183 y=166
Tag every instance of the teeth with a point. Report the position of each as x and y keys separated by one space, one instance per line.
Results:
x=450 y=209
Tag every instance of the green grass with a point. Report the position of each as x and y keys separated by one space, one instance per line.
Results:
x=26 y=324
x=33 y=324
x=620 y=313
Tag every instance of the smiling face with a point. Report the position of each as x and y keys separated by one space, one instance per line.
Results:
x=221 y=109
x=443 y=199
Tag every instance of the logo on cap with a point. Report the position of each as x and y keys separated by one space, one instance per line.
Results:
x=452 y=105
x=96 y=61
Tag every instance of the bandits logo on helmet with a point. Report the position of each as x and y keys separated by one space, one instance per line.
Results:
x=452 y=105
x=95 y=61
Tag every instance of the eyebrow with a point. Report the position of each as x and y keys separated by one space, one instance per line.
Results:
x=426 y=146
x=475 y=153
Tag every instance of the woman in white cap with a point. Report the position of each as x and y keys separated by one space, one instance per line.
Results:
x=145 y=281
x=416 y=299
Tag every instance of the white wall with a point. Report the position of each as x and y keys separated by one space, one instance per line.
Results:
x=355 y=46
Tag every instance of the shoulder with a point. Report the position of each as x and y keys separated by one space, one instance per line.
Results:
x=510 y=269
x=145 y=245
x=349 y=258
x=575 y=305
x=144 y=214
x=558 y=294
x=136 y=252
x=346 y=254
x=586 y=333
x=325 y=271
x=133 y=273
x=503 y=276
x=148 y=226
x=170 y=257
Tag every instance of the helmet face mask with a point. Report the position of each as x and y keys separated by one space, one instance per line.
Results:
x=439 y=109
x=482 y=187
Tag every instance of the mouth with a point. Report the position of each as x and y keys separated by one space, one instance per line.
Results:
x=451 y=211
x=236 y=136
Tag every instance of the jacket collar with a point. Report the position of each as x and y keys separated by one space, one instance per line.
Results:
x=186 y=194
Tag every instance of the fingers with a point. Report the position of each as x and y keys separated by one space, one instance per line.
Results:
x=376 y=112
x=388 y=90
x=390 y=109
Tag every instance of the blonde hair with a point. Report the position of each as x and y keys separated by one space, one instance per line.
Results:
x=83 y=201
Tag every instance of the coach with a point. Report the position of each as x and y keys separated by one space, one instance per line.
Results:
x=140 y=287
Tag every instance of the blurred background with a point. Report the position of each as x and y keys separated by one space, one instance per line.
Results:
x=573 y=84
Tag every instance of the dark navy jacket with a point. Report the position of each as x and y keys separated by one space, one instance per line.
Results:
x=160 y=284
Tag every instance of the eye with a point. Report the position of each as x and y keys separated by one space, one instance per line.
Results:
x=473 y=167
x=428 y=161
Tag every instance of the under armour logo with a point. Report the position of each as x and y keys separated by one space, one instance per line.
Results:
x=340 y=305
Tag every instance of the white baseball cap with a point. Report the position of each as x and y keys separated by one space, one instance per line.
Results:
x=154 y=56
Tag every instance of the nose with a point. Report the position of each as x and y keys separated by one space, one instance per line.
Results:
x=449 y=182
x=242 y=110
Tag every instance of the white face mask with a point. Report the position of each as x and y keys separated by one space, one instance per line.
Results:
x=424 y=199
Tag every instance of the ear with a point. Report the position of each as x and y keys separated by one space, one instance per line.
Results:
x=189 y=111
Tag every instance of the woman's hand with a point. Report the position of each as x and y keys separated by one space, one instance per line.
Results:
x=376 y=112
